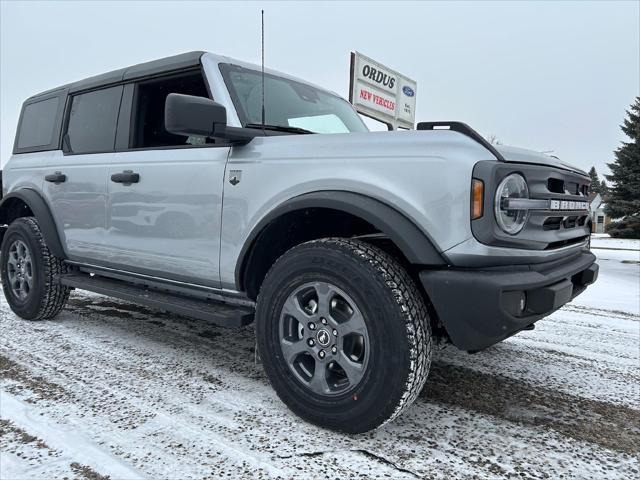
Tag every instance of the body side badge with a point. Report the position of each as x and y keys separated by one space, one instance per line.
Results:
x=235 y=176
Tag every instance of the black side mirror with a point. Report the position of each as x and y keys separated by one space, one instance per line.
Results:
x=199 y=116
x=188 y=115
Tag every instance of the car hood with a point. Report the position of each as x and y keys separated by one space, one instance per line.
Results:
x=521 y=155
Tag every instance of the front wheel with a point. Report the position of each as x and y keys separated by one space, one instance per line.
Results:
x=343 y=334
x=28 y=270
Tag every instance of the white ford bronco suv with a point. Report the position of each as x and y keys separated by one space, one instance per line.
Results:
x=355 y=252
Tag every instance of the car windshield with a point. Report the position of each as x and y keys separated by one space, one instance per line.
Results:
x=288 y=103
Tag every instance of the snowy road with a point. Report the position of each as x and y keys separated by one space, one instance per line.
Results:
x=112 y=389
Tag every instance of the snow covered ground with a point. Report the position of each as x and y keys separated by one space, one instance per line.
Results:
x=110 y=389
x=603 y=240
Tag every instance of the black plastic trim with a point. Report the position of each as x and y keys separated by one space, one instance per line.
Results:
x=141 y=70
x=413 y=242
x=477 y=306
x=182 y=61
x=184 y=286
x=104 y=80
x=123 y=128
x=465 y=129
x=43 y=214
x=203 y=309
x=3 y=220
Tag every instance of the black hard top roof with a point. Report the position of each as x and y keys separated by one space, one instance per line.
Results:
x=167 y=64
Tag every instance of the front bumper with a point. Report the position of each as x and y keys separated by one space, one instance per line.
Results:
x=481 y=307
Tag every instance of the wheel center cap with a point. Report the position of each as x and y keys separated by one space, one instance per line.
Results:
x=323 y=337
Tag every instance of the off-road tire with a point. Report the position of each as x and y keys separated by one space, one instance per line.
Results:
x=46 y=297
x=397 y=323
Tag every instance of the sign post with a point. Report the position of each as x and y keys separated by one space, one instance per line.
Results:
x=382 y=93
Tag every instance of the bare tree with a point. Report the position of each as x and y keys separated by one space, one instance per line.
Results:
x=493 y=139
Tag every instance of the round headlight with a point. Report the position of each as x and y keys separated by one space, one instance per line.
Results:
x=511 y=221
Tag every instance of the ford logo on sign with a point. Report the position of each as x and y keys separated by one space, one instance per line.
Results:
x=408 y=91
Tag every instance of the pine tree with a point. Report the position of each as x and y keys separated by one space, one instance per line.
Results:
x=604 y=189
x=624 y=193
x=594 y=186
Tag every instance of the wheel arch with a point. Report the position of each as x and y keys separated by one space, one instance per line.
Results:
x=413 y=243
x=26 y=202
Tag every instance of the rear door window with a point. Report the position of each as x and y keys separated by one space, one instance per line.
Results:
x=92 y=121
x=37 y=128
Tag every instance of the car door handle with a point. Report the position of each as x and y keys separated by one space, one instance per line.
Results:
x=56 y=178
x=126 y=178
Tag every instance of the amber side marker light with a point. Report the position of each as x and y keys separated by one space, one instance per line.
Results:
x=477 y=198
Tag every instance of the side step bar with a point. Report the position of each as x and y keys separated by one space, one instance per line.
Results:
x=216 y=312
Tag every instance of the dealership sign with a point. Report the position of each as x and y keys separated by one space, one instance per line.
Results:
x=382 y=93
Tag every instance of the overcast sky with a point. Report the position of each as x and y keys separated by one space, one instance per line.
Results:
x=540 y=75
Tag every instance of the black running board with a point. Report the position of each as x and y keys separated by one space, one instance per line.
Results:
x=219 y=313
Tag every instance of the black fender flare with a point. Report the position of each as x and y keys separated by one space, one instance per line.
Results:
x=42 y=213
x=413 y=242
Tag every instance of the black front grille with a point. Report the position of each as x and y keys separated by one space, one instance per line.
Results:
x=569 y=222
x=565 y=243
x=560 y=185
x=545 y=229
x=552 y=223
x=555 y=185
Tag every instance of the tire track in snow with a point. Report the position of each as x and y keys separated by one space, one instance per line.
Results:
x=66 y=444
x=602 y=312
x=575 y=353
x=612 y=426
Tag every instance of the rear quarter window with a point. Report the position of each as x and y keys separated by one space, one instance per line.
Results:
x=38 y=124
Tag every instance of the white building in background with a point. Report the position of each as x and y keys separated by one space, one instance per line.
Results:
x=598 y=218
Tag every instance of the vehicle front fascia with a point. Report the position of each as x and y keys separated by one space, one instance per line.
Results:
x=540 y=230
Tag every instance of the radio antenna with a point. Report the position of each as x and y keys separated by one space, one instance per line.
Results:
x=263 y=122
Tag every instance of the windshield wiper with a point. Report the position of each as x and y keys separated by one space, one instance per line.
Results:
x=278 y=128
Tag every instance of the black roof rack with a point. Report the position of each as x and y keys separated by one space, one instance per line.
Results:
x=463 y=128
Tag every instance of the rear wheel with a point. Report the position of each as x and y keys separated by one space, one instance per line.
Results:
x=28 y=271
x=343 y=334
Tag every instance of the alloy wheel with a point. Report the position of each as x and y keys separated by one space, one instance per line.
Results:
x=324 y=338
x=20 y=269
